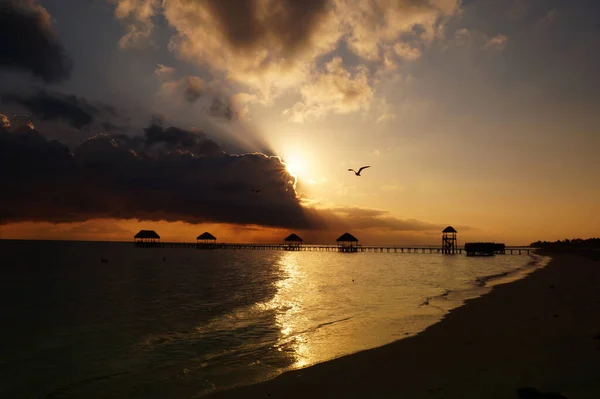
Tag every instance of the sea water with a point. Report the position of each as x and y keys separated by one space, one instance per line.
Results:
x=181 y=323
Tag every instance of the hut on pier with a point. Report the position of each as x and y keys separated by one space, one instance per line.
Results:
x=146 y=238
x=206 y=241
x=347 y=243
x=293 y=242
x=449 y=243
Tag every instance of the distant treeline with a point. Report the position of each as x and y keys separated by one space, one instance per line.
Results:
x=590 y=243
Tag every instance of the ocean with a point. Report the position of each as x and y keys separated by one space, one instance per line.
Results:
x=182 y=323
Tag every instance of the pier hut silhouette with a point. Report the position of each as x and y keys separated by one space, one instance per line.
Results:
x=293 y=242
x=206 y=241
x=146 y=238
x=449 y=243
x=347 y=243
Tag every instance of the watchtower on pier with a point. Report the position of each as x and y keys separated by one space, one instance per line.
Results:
x=449 y=242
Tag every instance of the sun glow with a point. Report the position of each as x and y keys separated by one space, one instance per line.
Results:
x=296 y=166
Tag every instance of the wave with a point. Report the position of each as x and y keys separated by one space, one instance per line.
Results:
x=330 y=323
x=534 y=263
x=443 y=295
x=483 y=280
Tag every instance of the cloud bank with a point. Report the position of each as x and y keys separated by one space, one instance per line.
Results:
x=167 y=174
x=76 y=111
x=28 y=43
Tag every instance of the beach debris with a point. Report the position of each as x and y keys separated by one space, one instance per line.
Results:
x=532 y=393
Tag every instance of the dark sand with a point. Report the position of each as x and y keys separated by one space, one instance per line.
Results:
x=540 y=334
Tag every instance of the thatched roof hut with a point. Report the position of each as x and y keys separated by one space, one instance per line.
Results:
x=347 y=243
x=449 y=229
x=347 y=237
x=293 y=238
x=146 y=235
x=146 y=238
x=206 y=238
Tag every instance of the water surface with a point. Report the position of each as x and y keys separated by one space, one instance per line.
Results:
x=179 y=323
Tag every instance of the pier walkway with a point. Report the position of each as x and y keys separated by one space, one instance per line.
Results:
x=322 y=248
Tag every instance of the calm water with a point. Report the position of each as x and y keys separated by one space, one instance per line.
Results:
x=180 y=323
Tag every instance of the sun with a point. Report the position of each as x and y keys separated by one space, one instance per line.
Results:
x=296 y=166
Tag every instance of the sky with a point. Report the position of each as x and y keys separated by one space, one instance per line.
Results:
x=242 y=118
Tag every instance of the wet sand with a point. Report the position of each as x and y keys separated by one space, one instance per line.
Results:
x=534 y=338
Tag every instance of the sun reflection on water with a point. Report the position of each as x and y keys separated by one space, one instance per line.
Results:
x=288 y=304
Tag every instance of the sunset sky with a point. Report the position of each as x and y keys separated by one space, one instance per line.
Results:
x=167 y=114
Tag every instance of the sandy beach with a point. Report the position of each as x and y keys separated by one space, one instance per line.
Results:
x=538 y=337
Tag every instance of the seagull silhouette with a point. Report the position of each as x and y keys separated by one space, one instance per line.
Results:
x=256 y=190
x=360 y=170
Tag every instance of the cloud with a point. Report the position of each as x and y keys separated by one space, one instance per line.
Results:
x=362 y=219
x=265 y=44
x=478 y=39
x=169 y=174
x=28 y=42
x=121 y=177
x=497 y=42
x=335 y=90
x=265 y=47
x=241 y=102
x=163 y=71
x=213 y=100
x=406 y=51
x=137 y=15
x=194 y=88
x=378 y=24
x=221 y=109
x=76 y=111
x=159 y=140
x=4 y=122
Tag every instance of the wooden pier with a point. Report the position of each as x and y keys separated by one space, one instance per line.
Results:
x=322 y=248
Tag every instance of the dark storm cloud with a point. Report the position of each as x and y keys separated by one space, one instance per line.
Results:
x=76 y=111
x=168 y=173
x=28 y=42
x=244 y=24
x=158 y=139
x=106 y=178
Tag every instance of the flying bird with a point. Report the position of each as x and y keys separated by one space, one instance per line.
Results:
x=256 y=190
x=360 y=170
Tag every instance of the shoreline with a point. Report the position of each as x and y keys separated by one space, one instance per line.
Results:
x=538 y=334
